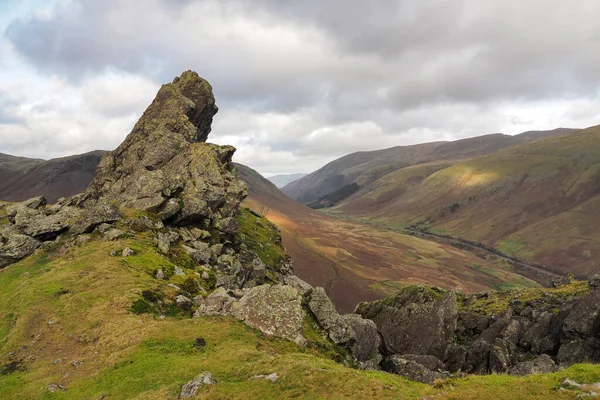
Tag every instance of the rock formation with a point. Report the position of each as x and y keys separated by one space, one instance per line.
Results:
x=517 y=332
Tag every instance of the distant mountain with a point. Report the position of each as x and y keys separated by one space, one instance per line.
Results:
x=341 y=178
x=283 y=179
x=22 y=178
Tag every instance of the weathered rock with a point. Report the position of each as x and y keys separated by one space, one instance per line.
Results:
x=543 y=364
x=432 y=363
x=93 y=216
x=337 y=328
x=455 y=357
x=302 y=287
x=205 y=275
x=127 y=252
x=418 y=320
x=184 y=302
x=271 y=377
x=179 y=271
x=582 y=321
x=159 y=274
x=570 y=384
x=164 y=241
x=274 y=310
x=411 y=370
x=200 y=252
x=55 y=387
x=217 y=303
x=169 y=209
x=191 y=388
x=477 y=360
x=365 y=347
x=15 y=246
x=113 y=234
x=499 y=360
x=164 y=163
x=579 y=351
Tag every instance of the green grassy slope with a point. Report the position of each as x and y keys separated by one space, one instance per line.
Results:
x=535 y=201
x=359 y=169
x=67 y=319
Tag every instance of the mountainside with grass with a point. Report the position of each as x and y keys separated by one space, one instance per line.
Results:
x=536 y=201
x=22 y=178
x=343 y=177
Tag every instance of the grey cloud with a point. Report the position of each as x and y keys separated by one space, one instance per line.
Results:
x=353 y=74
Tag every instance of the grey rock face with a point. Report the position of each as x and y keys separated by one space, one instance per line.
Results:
x=113 y=234
x=543 y=364
x=165 y=166
x=365 y=348
x=411 y=370
x=418 y=320
x=577 y=351
x=164 y=241
x=338 y=329
x=217 y=303
x=184 y=303
x=302 y=287
x=582 y=321
x=274 y=310
x=191 y=388
x=94 y=216
x=14 y=245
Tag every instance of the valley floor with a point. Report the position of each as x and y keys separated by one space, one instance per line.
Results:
x=356 y=261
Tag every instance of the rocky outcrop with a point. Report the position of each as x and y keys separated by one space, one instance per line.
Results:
x=14 y=245
x=520 y=332
x=418 y=320
x=338 y=329
x=165 y=167
x=274 y=310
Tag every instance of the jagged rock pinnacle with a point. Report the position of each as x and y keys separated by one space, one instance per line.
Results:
x=165 y=166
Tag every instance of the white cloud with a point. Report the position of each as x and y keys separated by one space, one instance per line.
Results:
x=298 y=83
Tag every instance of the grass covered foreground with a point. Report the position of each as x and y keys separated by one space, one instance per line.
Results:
x=67 y=320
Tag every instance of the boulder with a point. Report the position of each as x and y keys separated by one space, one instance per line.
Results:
x=582 y=321
x=411 y=370
x=477 y=358
x=273 y=310
x=217 y=303
x=113 y=234
x=164 y=241
x=456 y=357
x=127 y=252
x=184 y=302
x=15 y=246
x=365 y=348
x=543 y=364
x=579 y=351
x=337 y=328
x=302 y=287
x=499 y=360
x=94 y=216
x=417 y=320
x=190 y=389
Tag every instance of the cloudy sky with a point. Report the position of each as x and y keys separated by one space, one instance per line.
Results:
x=298 y=83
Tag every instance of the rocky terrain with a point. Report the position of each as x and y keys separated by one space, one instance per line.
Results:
x=132 y=289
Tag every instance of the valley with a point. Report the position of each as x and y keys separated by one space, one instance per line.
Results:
x=358 y=262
